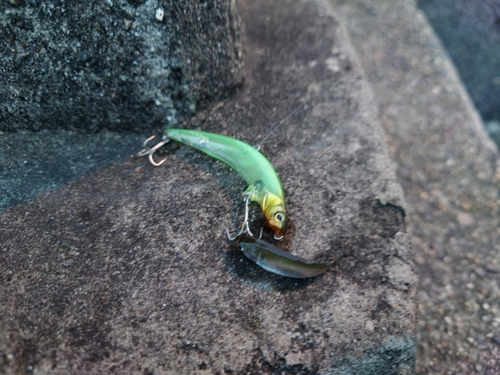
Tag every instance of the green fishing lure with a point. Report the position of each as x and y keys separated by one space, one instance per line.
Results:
x=264 y=185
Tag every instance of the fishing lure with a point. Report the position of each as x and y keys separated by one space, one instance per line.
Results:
x=264 y=185
x=277 y=261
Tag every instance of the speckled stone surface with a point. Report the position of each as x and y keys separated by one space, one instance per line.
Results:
x=115 y=64
x=450 y=172
x=127 y=269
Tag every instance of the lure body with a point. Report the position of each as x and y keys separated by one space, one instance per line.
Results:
x=277 y=261
x=264 y=185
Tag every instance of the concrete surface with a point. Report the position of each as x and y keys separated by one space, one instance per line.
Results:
x=450 y=173
x=32 y=163
x=115 y=64
x=127 y=270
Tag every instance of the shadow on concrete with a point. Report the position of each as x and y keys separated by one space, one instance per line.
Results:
x=32 y=163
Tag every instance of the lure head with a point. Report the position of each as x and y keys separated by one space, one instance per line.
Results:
x=250 y=249
x=275 y=212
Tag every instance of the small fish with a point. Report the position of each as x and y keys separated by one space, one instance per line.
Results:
x=277 y=261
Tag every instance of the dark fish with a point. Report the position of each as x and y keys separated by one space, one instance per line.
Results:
x=277 y=261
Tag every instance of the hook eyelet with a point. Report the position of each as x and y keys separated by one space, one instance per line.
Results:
x=151 y=150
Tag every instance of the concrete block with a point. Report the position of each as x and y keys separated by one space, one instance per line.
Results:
x=115 y=64
x=128 y=270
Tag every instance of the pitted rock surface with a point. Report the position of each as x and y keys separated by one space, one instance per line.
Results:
x=127 y=269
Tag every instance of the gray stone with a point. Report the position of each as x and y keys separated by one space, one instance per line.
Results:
x=127 y=269
x=450 y=173
x=114 y=64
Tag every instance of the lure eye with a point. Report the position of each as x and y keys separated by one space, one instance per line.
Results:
x=279 y=217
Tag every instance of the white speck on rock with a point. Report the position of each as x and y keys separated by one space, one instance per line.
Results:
x=369 y=326
x=332 y=63
x=159 y=14
x=465 y=219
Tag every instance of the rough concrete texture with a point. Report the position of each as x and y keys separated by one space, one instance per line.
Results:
x=450 y=173
x=127 y=270
x=115 y=64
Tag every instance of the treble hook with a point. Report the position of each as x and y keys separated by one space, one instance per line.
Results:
x=244 y=227
x=151 y=150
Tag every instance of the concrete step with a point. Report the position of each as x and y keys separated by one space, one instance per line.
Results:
x=127 y=269
x=450 y=172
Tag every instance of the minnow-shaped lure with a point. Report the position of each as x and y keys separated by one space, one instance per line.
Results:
x=277 y=261
x=264 y=185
